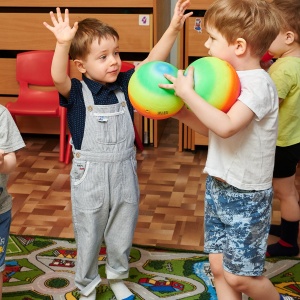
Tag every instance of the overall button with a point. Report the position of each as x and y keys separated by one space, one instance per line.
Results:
x=77 y=155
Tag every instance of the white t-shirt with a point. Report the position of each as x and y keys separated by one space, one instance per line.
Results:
x=10 y=141
x=246 y=159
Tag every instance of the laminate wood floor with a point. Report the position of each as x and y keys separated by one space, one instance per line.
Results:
x=172 y=192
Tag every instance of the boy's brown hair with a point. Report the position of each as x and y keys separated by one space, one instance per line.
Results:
x=256 y=21
x=290 y=11
x=88 y=30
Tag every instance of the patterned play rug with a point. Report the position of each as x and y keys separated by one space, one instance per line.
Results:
x=40 y=268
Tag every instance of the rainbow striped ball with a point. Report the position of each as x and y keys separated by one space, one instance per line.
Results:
x=147 y=97
x=216 y=81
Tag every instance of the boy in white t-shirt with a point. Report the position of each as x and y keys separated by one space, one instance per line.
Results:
x=241 y=149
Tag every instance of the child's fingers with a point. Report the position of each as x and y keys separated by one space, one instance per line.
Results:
x=59 y=15
x=53 y=19
x=47 y=26
x=188 y=15
x=184 y=5
x=75 y=26
x=67 y=16
x=179 y=5
x=170 y=85
x=166 y=86
x=170 y=77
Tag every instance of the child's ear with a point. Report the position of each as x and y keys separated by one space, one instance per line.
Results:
x=289 y=37
x=240 y=46
x=80 y=65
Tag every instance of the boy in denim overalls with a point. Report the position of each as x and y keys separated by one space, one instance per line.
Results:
x=104 y=184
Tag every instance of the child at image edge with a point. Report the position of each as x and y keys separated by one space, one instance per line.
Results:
x=241 y=149
x=10 y=141
x=104 y=185
x=285 y=72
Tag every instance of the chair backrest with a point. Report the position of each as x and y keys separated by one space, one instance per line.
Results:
x=126 y=66
x=33 y=72
x=34 y=67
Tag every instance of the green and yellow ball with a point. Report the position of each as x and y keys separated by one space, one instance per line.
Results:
x=147 y=97
x=216 y=81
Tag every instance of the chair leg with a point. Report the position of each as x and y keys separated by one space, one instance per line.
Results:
x=62 y=139
x=138 y=141
x=62 y=145
x=62 y=148
x=68 y=151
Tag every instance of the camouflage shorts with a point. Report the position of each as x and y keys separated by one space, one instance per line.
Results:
x=237 y=224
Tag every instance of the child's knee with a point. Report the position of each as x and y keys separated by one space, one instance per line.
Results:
x=216 y=265
x=238 y=283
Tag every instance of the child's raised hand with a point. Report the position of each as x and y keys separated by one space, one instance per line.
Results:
x=61 y=26
x=179 y=17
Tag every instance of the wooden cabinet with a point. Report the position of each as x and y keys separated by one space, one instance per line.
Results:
x=192 y=47
x=140 y=24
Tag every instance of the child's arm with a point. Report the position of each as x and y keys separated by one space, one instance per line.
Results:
x=163 y=47
x=8 y=162
x=64 y=35
x=187 y=117
x=222 y=124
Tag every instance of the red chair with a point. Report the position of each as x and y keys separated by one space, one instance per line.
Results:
x=125 y=67
x=37 y=93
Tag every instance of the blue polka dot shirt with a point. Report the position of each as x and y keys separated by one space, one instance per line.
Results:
x=102 y=94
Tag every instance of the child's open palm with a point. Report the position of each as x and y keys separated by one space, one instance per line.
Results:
x=61 y=28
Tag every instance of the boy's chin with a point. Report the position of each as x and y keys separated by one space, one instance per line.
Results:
x=111 y=78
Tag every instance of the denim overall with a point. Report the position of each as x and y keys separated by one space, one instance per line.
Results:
x=105 y=191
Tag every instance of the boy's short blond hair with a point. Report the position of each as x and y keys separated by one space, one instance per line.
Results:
x=290 y=11
x=88 y=30
x=256 y=21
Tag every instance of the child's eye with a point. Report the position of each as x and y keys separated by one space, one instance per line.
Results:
x=102 y=57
